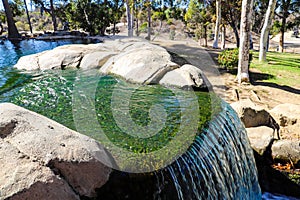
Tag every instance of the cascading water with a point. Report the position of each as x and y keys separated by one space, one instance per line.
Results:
x=218 y=165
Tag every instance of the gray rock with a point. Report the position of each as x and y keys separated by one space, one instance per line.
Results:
x=21 y=178
x=287 y=151
x=185 y=77
x=95 y=59
x=29 y=62
x=287 y=114
x=260 y=138
x=68 y=56
x=60 y=59
x=145 y=65
x=136 y=60
x=254 y=116
x=70 y=155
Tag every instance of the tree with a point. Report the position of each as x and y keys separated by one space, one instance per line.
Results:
x=50 y=10
x=148 y=4
x=116 y=12
x=129 y=13
x=90 y=16
x=231 y=14
x=245 y=31
x=264 y=37
x=286 y=7
x=218 y=22
x=28 y=16
x=12 y=29
x=198 y=18
x=2 y=19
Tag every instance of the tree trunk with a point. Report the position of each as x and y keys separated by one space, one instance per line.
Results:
x=28 y=16
x=246 y=19
x=53 y=15
x=12 y=29
x=218 y=20
x=114 y=27
x=129 y=19
x=149 y=20
x=223 y=43
x=205 y=36
x=264 y=36
x=286 y=5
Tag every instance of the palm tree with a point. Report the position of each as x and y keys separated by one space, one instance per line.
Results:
x=13 y=33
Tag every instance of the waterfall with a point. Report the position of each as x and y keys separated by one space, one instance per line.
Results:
x=219 y=164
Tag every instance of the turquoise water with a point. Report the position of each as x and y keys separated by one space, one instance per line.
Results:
x=218 y=165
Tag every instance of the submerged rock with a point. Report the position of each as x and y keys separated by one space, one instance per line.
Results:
x=39 y=155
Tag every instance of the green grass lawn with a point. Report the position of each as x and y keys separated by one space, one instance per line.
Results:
x=280 y=68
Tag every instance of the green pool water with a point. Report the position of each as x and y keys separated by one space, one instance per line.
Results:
x=167 y=113
x=50 y=94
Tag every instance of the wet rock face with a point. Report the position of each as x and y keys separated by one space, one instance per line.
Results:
x=135 y=60
x=41 y=159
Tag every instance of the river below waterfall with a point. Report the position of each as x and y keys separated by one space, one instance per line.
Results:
x=50 y=94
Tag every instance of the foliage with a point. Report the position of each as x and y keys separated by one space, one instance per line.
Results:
x=89 y=16
x=16 y=7
x=229 y=58
x=144 y=27
x=198 y=18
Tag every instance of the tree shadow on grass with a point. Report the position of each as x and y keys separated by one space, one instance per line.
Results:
x=258 y=78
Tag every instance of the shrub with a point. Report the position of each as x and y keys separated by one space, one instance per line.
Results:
x=230 y=58
x=144 y=27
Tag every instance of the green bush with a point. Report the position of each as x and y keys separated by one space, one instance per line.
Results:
x=144 y=27
x=230 y=58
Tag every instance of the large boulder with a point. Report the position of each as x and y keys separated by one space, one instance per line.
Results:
x=39 y=153
x=95 y=59
x=63 y=57
x=254 y=116
x=21 y=178
x=146 y=64
x=287 y=114
x=261 y=138
x=133 y=59
x=287 y=151
x=29 y=62
x=185 y=77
